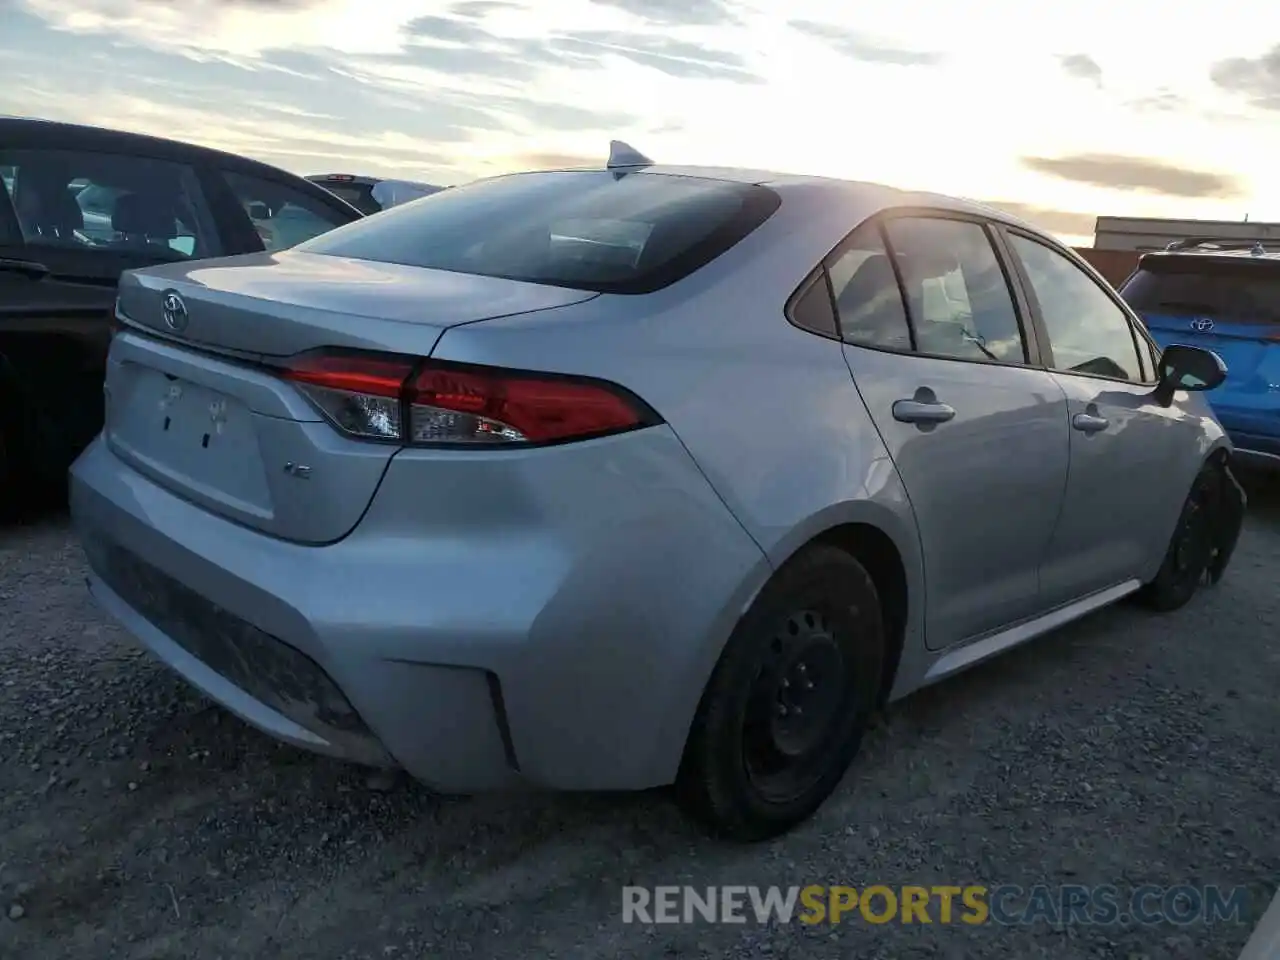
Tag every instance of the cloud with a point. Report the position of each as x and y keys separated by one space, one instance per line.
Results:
x=1138 y=174
x=676 y=58
x=1163 y=101
x=1067 y=222
x=861 y=46
x=1255 y=78
x=448 y=29
x=709 y=13
x=478 y=9
x=1082 y=67
x=460 y=46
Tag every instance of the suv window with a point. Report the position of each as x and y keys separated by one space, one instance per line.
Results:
x=868 y=299
x=959 y=298
x=102 y=201
x=586 y=230
x=1196 y=285
x=1088 y=332
x=281 y=215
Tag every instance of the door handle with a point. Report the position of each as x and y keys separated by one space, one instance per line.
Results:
x=28 y=268
x=1089 y=423
x=919 y=411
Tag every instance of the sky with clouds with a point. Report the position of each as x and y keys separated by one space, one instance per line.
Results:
x=1059 y=110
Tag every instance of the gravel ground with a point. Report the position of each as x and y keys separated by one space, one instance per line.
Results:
x=138 y=820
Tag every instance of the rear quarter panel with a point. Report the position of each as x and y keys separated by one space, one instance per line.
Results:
x=768 y=412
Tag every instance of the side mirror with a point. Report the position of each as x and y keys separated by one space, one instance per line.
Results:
x=1188 y=368
x=258 y=210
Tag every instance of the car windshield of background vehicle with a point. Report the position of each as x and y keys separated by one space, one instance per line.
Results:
x=110 y=202
x=1197 y=286
x=585 y=230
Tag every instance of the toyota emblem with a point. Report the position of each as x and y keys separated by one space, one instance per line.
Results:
x=174 y=312
x=1202 y=324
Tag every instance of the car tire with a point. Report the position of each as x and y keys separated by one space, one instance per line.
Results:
x=755 y=765
x=1191 y=548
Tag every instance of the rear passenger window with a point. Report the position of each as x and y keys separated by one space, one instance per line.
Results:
x=812 y=309
x=116 y=203
x=960 y=302
x=868 y=300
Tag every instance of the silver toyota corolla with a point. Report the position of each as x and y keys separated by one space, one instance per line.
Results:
x=639 y=475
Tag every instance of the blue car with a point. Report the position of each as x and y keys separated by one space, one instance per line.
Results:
x=1225 y=297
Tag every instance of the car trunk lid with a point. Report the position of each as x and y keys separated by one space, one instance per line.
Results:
x=194 y=397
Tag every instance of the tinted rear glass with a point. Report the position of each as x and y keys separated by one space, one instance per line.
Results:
x=587 y=230
x=359 y=196
x=1246 y=290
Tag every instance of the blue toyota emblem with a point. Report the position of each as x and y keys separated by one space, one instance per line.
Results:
x=1202 y=324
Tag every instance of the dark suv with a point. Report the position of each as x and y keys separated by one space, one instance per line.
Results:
x=78 y=205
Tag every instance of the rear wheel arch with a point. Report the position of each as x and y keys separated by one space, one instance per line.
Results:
x=879 y=555
x=873 y=533
x=883 y=559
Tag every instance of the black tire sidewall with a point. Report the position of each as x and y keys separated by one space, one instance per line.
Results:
x=714 y=782
x=1172 y=589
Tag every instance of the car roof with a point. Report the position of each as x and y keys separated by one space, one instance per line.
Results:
x=36 y=133
x=355 y=178
x=1210 y=254
x=876 y=196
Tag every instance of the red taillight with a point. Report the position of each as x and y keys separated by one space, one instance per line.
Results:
x=375 y=376
x=427 y=402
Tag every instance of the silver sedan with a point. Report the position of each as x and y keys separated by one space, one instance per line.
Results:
x=640 y=475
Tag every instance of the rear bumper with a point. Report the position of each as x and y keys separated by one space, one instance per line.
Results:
x=568 y=651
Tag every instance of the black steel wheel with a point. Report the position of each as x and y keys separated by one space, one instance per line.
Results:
x=784 y=712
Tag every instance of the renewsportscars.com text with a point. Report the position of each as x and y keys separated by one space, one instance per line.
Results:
x=972 y=904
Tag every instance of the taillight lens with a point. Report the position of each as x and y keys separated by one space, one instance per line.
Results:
x=429 y=402
x=360 y=395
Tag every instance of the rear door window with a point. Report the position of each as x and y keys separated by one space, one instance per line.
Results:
x=281 y=215
x=960 y=302
x=586 y=230
x=1240 y=290
x=114 y=203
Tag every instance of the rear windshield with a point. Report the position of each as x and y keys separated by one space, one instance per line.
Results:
x=587 y=230
x=1245 y=290
x=358 y=195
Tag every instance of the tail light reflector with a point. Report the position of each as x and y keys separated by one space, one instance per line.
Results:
x=428 y=402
